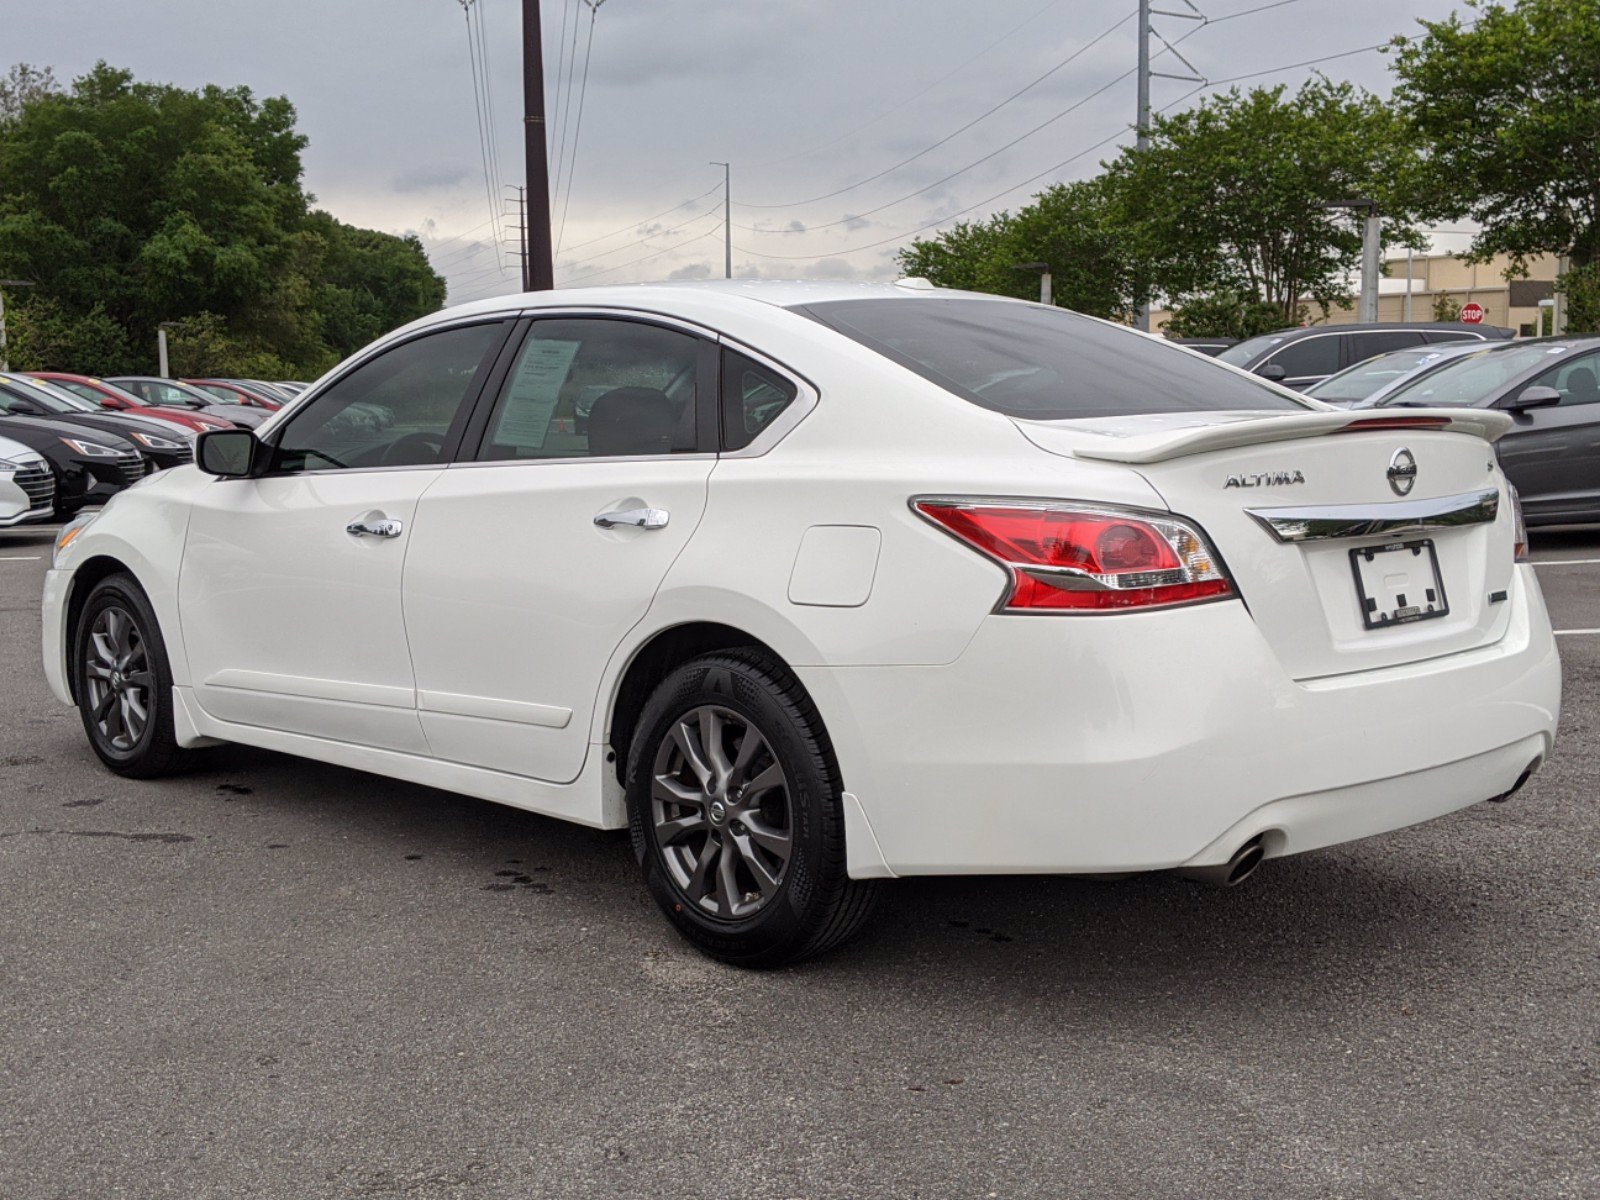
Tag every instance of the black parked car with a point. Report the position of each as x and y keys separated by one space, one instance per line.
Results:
x=1551 y=388
x=90 y=465
x=1299 y=358
x=1206 y=345
x=160 y=442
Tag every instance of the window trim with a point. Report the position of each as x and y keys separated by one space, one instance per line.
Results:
x=270 y=437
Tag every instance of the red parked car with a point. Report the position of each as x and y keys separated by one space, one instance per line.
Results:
x=231 y=392
x=117 y=400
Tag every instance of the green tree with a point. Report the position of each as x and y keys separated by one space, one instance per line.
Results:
x=135 y=203
x=1227 y=314
x=1068 y=226
x=23 y=84
x=1509 y=106
x=1227 y=199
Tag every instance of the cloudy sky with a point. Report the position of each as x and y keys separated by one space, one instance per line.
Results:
x=850 y=126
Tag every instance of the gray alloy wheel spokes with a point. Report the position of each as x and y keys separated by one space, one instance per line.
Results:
x=119 y=679
x=720 y=806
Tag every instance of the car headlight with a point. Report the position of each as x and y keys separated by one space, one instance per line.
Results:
x=90 y=449
x=7 y=465
x=155 y=441
x=69 y=534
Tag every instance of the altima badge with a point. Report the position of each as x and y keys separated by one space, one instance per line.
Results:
x=1265 y=479
x=1402 y=471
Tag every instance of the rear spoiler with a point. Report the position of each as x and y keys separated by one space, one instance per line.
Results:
x=1161 y=445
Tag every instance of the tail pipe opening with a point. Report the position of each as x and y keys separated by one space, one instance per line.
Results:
x=1527 y=774
x=1236 y=870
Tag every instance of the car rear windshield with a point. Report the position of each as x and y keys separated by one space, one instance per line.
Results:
x=1042 y=364
x=1360 y=381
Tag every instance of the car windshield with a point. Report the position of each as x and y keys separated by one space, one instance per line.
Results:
x=1245 y=352
x=1042 y=364
x=1365 y=378
x=1474 y=378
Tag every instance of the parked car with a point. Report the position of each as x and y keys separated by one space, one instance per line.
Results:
x=27 y=485
x=161 y=444
x=90 y=465
x=1551 y=389
x=231 y=391
x=293 y=386
x=839 y=583
x=196 y=417
x=1367 y=383
x=169 y=393
x=1212 y=346
x=1299 y=358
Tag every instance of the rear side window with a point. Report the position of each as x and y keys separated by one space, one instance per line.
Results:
x=1042 y=364
x=752 y=397
x=1380 y=341
x=1315 y=355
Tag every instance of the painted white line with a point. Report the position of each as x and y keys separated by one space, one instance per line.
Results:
x=1568 y=632
x=1567 y=562
x=20 y=557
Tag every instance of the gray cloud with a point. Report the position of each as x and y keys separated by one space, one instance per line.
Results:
x=427 y=177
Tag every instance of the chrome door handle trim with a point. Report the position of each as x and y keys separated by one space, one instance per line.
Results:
x=637 y=518
x=384 y=529
x=1314 y=524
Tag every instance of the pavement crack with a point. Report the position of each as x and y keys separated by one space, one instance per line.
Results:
x=170 y=839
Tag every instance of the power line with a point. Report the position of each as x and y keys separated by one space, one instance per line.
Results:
x=488 y=99
x=483 y=140
x=630 y=228
x=641 y=258
x=642 y=241
x=577 y=128
x=1310 y=62
x=564 y=98
x=1078 y=53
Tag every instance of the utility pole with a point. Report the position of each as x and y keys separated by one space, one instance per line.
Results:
x=538 y=259
x=1371 y=267
x=522 y=231
x=5 y=362
x=1043 y=268
x=1142 y=116
x=161 y=346
x=727 y=218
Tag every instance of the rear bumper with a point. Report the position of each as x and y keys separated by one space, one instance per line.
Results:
x=1164 y=739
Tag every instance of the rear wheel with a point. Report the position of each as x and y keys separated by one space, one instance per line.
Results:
x=123 y=681
x=734 y=808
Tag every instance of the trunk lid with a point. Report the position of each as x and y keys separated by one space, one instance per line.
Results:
x=1286 y=499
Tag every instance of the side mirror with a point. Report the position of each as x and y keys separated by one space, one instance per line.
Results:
x=1272 y=373
x=227 y=453
x=1533 y=397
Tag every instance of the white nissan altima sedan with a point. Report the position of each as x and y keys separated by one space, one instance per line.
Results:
x=815 y=585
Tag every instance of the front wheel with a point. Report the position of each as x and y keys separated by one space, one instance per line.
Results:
x=123 y=681
x=733 y=803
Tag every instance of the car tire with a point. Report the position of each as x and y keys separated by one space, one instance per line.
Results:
x=742 y=842
x=120 y=671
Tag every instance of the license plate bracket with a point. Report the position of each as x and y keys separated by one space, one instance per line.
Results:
x=1399 y=583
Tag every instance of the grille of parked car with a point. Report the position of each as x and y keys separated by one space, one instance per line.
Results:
x=133 y=466
x=38 y=484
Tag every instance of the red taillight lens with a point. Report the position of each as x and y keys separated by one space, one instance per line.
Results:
x=1519 y=528
x=1065 y=558
x=1367 y=424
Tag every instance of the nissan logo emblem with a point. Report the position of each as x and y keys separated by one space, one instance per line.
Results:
x=1402 y=471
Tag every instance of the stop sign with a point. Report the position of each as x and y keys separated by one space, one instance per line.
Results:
x=1472 y=314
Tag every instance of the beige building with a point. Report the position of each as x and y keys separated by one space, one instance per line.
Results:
x=1513 y=303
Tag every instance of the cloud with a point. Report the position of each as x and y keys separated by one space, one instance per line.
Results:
x=428 y=177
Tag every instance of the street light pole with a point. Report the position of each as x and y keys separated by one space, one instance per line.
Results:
x=5 y=362
x=161 y=346
x=1142 y=139
x=727 y=218
x=1371 y=241
x=1045 y=294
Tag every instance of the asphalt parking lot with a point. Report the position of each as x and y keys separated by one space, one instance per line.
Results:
x=273 y=978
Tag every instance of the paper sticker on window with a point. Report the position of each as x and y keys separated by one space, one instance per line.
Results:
x=534 y=391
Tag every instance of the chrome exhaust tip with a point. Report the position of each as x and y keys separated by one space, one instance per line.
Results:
x=1235 y=871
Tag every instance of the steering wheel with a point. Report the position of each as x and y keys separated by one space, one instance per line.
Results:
x=404 y=452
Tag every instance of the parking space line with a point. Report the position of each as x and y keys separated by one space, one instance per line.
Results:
x=1569 y=632
x=1567 y=562
x=20 y=557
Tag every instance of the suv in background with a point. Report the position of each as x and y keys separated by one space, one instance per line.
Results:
x=1300 y=358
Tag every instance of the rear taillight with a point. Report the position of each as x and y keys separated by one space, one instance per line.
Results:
x=1519 y=530
x=1065 y=557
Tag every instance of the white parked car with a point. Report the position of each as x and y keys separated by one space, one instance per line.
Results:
x=828 y=584
x=27 y=485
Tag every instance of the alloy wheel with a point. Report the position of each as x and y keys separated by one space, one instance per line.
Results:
x=119 y=679
x=721 y=812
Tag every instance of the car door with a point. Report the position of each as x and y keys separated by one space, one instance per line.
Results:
x=289 y=594
x=1552 y=454
x=535 y=555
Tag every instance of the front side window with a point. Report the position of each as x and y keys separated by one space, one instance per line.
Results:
x=1576 y=379
x=752 y=397
x=596 y=387
x=1043 y=364
x=1315 y=355
x=396 y=410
